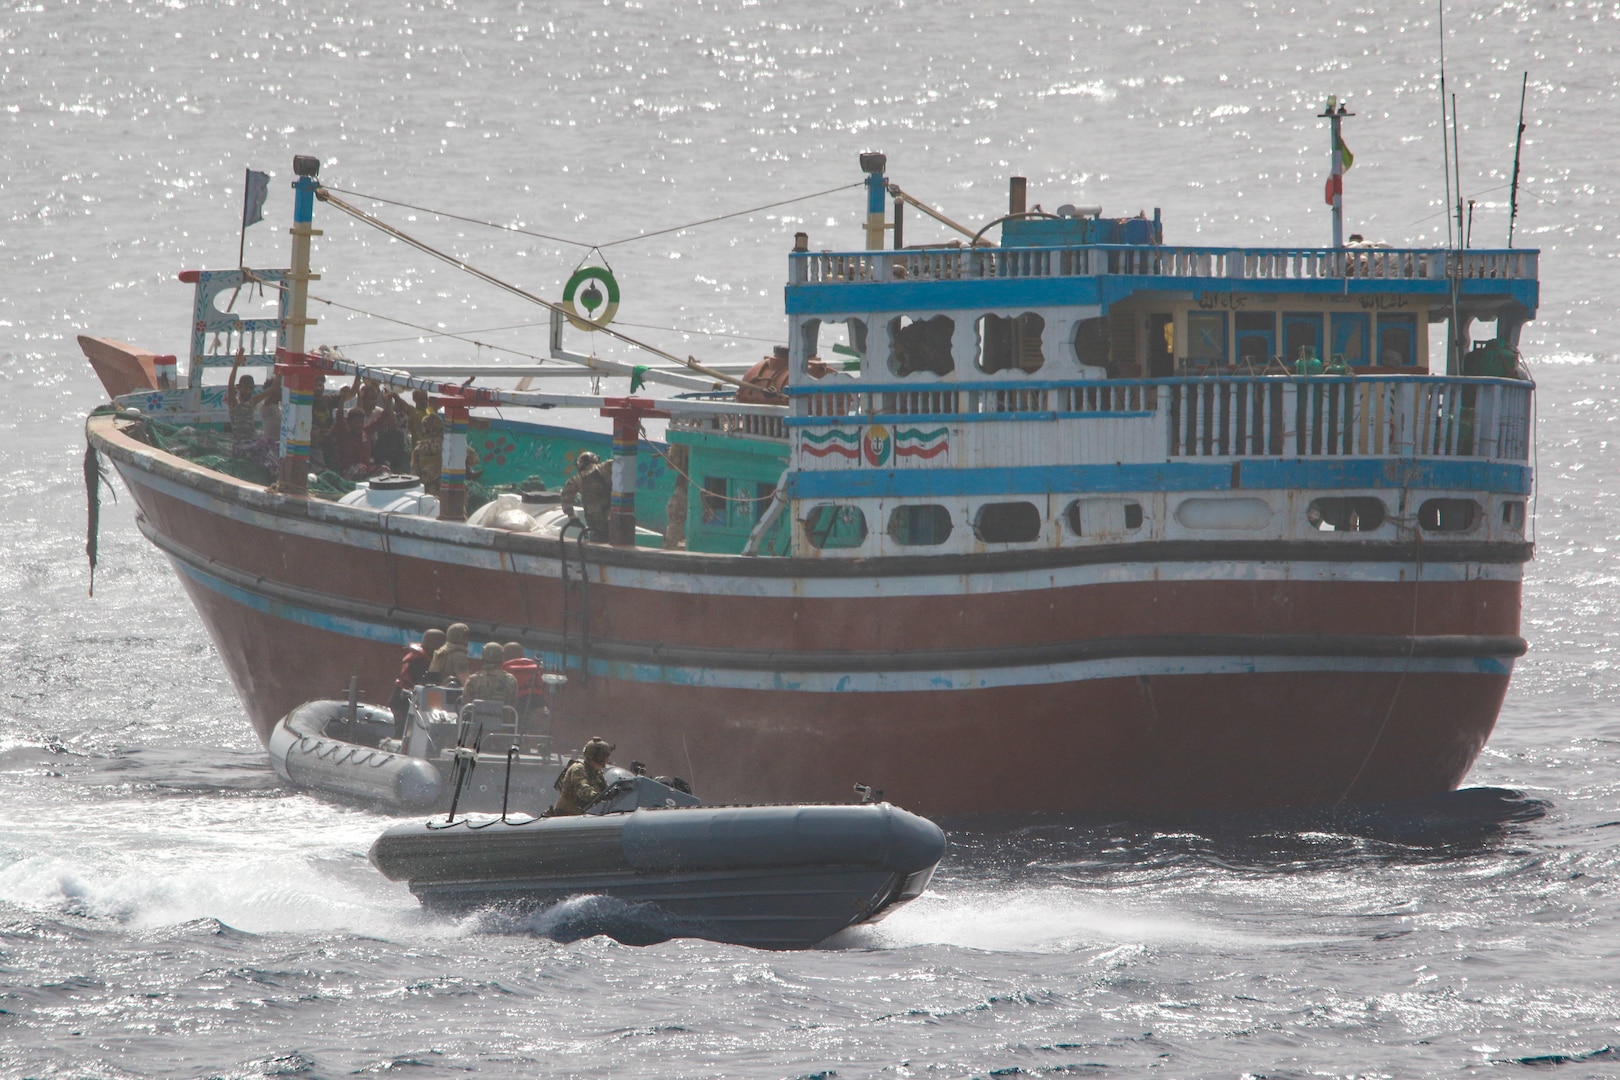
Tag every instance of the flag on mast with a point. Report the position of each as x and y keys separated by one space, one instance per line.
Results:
x=254 y=192
x=1335 y=185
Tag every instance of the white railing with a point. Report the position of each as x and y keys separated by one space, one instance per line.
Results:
x=1349 y=417
x=1091 y=397
x=1295 y=264
x=747 y=424
x=1240 y=416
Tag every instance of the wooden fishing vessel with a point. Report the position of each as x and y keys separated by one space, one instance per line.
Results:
x=1078 y=520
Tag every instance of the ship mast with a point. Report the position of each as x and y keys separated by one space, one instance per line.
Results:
x=1334 y=113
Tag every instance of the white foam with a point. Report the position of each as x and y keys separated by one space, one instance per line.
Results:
x=1046 y=919
x=263 y=866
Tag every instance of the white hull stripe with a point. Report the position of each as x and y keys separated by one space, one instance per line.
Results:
x=888 y=681
x=427 y=548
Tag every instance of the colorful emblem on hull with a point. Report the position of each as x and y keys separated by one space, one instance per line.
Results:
x=876 y=445
x=820 y=444
x=917 y=443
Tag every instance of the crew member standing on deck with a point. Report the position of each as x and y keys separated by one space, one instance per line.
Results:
x=427 y=456
x=675 y=509
x=592 y=484
x=413 y=672
x=583 y=782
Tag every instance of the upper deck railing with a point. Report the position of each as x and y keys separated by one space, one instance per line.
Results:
x=1399 y=416
x=1260 y=264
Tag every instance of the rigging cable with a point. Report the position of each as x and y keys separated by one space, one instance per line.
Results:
x=582 y=243
x=689 y=362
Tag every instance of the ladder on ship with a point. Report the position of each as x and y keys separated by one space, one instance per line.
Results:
x=576 y=604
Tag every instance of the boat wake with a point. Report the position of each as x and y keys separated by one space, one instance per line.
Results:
x=581 y=917
x=1055 y=919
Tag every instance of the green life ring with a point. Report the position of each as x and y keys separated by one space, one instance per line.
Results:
x=597 y=314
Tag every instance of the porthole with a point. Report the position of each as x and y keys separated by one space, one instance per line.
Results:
x=922 y=526
x=1103 y=517
x=830 y=527
x=1008 y=523
x=1448 y=515
x=1235 y=513
x=1355 y=514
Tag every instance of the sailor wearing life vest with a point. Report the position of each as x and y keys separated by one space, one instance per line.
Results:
x=527 y=672
x=413 y=672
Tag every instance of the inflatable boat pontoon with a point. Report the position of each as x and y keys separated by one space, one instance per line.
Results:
x=772 y=877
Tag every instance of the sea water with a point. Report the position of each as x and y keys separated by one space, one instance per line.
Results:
x=167 y=909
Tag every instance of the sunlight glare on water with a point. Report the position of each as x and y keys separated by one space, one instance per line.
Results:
x=168 y=910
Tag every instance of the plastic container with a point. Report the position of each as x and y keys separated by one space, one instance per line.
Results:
x=394 y=495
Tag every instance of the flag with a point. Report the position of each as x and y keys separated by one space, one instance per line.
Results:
x=1335 y=185
x=254 y=192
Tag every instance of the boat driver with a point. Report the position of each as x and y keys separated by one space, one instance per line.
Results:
x=583 y=782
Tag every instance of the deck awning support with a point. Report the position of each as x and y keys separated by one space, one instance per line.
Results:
x=453 y=461
x=627 y=414
x=300 y=373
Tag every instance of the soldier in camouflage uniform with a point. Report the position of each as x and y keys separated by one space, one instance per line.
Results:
x=451 y=659
x=592 y=483
x=427 y=457
x=492 y=683
x=583 y=782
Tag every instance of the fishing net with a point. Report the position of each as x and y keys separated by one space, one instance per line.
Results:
x=213 y=450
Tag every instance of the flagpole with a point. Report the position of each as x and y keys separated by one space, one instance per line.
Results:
x=1334 y=113
x=241 y=247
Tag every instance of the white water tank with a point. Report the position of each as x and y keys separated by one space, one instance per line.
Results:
x=401 y=494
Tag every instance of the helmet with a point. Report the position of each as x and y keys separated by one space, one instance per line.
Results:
x=457 y=634
x=598 y=750
x=585 y=460
x=512 y=651
x=431 y=640
x=493 y=653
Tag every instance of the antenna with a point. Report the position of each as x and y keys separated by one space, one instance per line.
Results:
x=1445 y=144
x=1456 y=165
x=1518 y=145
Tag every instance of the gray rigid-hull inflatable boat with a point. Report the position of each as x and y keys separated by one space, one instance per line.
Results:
x=770 y=877
x=347 y=749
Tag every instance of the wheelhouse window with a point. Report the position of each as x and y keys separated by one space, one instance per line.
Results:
x=921 y=526
x=1302 y=336
x=1007 y=344
x=921 y=345
x=1206 y=338
x=712 y=500
x=839 y=345
x=1349 y=331
x=829 y=527
x=1256 y=337
x=1355 y=514
x=1008 y=523
x=1091 y=342
x=1397 y=340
